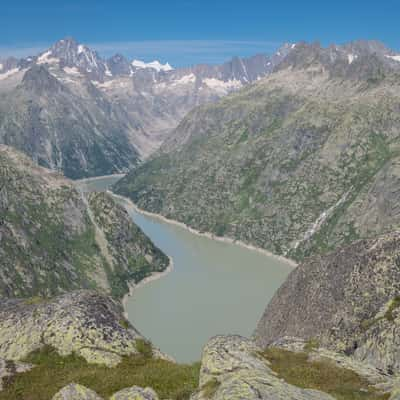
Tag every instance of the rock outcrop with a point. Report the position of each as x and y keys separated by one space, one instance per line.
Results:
x=82 y=322
x=347 y=301
x=135 y=393
x=233 y=369
x=76 y=392
x=53 y=239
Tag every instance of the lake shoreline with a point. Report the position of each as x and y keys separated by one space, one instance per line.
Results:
x=97 y=178
x=206 y=234
x=134 y=286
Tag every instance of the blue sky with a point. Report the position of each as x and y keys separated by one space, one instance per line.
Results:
x=192 y=31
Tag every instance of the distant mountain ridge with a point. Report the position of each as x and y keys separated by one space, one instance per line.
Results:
x=72 y=110
x=71 y=54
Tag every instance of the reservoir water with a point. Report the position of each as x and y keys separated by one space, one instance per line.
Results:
x=214 y=288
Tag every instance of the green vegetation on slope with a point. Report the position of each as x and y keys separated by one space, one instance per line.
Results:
x=52 y=372
x=298 y=163
x=343 y=384
x=53 y=239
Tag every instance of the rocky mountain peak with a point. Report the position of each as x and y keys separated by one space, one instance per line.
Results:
x=38 y=79
x=69 y=53
x=119 y=65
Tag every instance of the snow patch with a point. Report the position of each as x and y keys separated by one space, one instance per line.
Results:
x=351 y=58
x=185 y=80
x=222 y=86
x=153 y=65
x=7 y=74
x=1 y=67
x=81 y=49
x=107 y=71
x=72 y=71
x=395 y=58
x=46 y=58
x=112 y=84
x=293 y=46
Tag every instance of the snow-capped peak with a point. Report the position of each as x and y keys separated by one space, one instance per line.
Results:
x=81 y=48
x=395 y=58
x=154 y=65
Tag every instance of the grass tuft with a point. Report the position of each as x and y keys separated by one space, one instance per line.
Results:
x=124 y=323
x=311 y=345
x=209 y=389
x=35 y=300
x=341 y=383
x=52 y=372
x=395 y=303
x=144 y=348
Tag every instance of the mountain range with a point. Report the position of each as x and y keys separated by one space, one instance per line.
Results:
x=73 y=111
x=297 y=153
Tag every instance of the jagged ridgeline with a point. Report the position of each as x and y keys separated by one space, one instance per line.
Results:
x=53 y=239
x=300 y=162
x=72 y=110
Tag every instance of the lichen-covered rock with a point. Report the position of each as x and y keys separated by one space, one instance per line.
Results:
x=232 y=369
x=53 y=239
x=135 y=393
x=74 y=391
x=395 y=395
x=10 y=368
x=348 y=301
x=84 y=322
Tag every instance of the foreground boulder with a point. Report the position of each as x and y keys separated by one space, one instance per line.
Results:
x=347 y=301
x=82 y=322
x=232 y=368
x=76 y=392
x=135 y=393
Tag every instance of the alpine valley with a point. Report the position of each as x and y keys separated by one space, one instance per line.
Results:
x=73 y=111
x=295 y=154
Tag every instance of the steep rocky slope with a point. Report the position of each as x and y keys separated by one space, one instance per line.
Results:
x=67 y=127
x=347 y=301
x=53 y=239
x=298 y=163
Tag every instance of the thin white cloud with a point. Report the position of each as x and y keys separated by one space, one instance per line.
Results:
x=21 y=50
x=180 y=52
x=198 y=50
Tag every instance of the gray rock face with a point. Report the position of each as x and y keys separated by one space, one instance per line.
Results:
x=347 y=301
x=82 y=322
x=65 y=127
x=76 y=392
x=231 y=369
x=135 y=393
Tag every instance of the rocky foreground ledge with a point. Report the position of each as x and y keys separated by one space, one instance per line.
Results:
x=79 y=346
x=235 y=368
x=83 y=322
